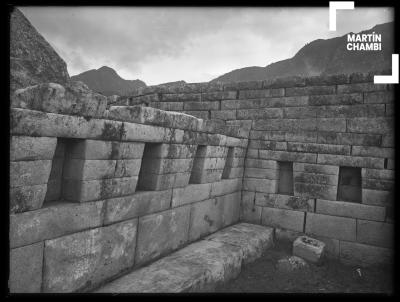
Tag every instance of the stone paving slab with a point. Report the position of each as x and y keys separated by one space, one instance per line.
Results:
x=200 y=266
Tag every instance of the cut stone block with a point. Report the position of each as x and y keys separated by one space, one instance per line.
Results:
x=95 y=149
x=309 y=249
x=199 y=267
x=286 y=219
x=29 y=173
x=139 y=204
x=32 y=148
x=375 y=233
x=230 y=208
x=226 y=186
x=281 y=201
x=83 y=260
x=54 y=221
x=205 y=218
x=27 y=198
x=190 y=193
x=26 y=269
x=87 y=190
x=157 y=182
x=331 y=226
x=162 y=233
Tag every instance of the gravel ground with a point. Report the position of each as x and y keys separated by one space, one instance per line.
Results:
x=262 y=276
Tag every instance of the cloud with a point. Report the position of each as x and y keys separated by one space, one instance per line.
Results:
x=194 y=44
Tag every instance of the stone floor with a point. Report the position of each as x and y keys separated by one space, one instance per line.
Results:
x=264 y=276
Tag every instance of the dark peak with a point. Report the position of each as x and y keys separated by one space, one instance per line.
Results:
x=106 y=69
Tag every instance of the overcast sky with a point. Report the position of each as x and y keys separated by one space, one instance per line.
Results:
x=160 y=45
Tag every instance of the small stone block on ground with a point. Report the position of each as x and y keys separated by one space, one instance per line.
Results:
x=309 y=249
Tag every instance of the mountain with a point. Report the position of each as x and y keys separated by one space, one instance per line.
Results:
x=32 y=59
x=320 y=57
x=106 y=81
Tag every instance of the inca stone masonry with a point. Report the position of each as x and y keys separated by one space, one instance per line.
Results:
x=100 y=187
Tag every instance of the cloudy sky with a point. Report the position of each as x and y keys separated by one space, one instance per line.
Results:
x=160 y=45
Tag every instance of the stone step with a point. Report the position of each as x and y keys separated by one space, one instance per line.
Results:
x=200 y=266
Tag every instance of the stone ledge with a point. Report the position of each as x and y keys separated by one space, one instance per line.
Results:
x=200 y=266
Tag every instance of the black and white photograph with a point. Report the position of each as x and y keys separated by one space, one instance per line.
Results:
x=202 y=149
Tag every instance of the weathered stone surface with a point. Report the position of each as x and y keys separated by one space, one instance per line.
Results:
x=27 y=198
x=261 y=173
x=375 y=233
x=286 y=235
x=313 y=168
x=249 y=212
x=172 y=151
x=261 y=164
x=310 y=90
x=353 y=253
x=54 y=221
x=230 y=208
x=339 y=99
x=32 y=148
x=32 y=59
x=74 y=98
x=260 y=185
x=309 y=249
x=377 y=174
x=372 y=151
x=253 y=239
x=351 y=161
x=223 y=114
x=157 y=182
x=376 y=125
x=87 y=190
x=280 y=218
x=29 y=173
x=162 y=233
x=204 y=105
x=139 y=204
x=377 y=197
x=205 y=218
x=349 y=139
x=310 y=190
x=359 y=87
x=331 y=226
x=200 y=266
x=349 y=209
x=85 y=259
x=314 y=178
x=225 y=186
x=297 y=203
x=290 y=124
x=331 y=124
x=26 y=269
x=190 y=193
x=318 y=148
x=80 y=169
x=288 y=156
x=346 y=111
x=95 y=149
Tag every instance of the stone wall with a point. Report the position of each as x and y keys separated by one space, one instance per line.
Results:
x=320 y=157
x=95 y=193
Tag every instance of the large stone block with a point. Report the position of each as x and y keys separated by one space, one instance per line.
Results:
x=378 y=125
x=26 y=269
x=310 y=90
x=280 y=218
x=223 y=114
x=27 y=198
x=167 y=165
x=168 y=106
x=75 y=98
x=226 y=186
x=372 y=151
x=300 y=112
x=339 y=99
x=313 y=168
x=29 y=173
x=376 y=197
x=349 y=139
x=353 y=253
x=288 y=156
x=146 y=133
x=260 y=185
x=87 y=190
x=95 y=149
x=249 y=212
x=264 y=113
x=281 y=201
x=139 y=204
x=190 y=193
x=375 y=233
x=261 y=173
x=54 y=221
x=351 y=161
x=359 y=87
x=253 y=239
x=157 y=182
x=331 y=124
x=218 y=95
x=318 y=148
x=378 y=97
x=32 y=148
x=161 y=233
x=287 y=124
x=377 y=184
x=261 y=164
x=204 y=105
x=350 y=209
x=83 y=260
x=331 y=226
x=314 y=178
x=172 y=151
x=377 y=174
x=310 y=190
x=205 y=218
x=301 y=136
x=230 y=204
x=309 y=249
x=93 y=169
x=352 y=111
